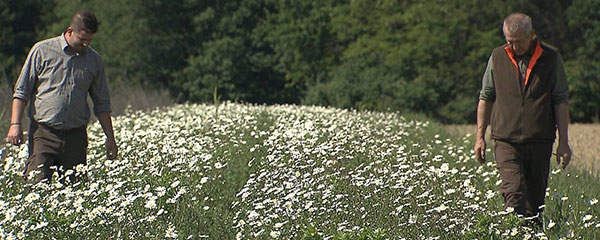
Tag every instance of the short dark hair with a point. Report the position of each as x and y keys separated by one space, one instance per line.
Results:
x=84 y=20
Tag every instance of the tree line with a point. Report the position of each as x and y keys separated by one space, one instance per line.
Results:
x=424 y=56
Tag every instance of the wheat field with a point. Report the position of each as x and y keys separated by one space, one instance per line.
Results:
x=584 y=140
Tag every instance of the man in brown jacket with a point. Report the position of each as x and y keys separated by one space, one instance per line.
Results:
x=524 y=95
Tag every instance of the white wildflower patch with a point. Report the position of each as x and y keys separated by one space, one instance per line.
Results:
x=171 y=232
x=151 y=204
x=441 y=208
x=287 y=170
x=586 y=218
x=550 y=224
x=31 y=197
x=275 y=234
x=507 y=210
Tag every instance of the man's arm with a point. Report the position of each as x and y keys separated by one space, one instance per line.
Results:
x=111 y=145
x=561 y=114
x=484 y=112
x=24 y=87
x=15 y=131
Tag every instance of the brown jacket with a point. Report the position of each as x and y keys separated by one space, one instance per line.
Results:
x=524 y=116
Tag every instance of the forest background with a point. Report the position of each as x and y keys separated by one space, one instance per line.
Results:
x=423 y=56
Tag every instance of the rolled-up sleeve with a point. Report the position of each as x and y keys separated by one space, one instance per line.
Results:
x=29 y=75
x=99 y=92
x=488 y=92
x=560 y=88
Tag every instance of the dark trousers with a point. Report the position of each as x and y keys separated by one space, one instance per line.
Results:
x=524 y=170
x=52 y=149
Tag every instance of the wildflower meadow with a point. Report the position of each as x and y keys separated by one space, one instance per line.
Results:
x=240 y=171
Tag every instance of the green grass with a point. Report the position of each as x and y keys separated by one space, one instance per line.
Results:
x=289 y=172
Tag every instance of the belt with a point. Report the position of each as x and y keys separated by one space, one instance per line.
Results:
x=64 y=131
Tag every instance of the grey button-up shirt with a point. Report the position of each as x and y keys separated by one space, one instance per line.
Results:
x=56 y=80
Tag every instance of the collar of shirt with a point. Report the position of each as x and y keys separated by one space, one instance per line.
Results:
x=65 y=46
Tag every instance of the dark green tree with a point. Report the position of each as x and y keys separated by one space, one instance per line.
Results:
x=425 y=56
x=141 y=41
x=421 y=56
x=20 y=20
x=584 y=82
x=232 y=56
x=299 y=32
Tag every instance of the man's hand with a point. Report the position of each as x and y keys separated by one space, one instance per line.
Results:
x=15 y=132
x=563 y=151
x=479 y=149
x=484 y=112
x=111 y=145
x=111 y=149
x=563 y=155
x=15 y=135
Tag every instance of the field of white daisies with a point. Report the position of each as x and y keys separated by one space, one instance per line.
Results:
x=238 y=171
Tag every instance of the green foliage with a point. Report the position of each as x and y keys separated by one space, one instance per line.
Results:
x=233 y=55
x=4 y=122
x=5 y=106
x=409 y=56
x=584 y=85
x=312 y=234
x=583 y=71
x=562 y=208
x=412 y=57
x=299 y=34
x=20 y=20
x=493 y=227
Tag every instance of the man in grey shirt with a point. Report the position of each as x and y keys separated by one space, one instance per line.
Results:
x=56 y=78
